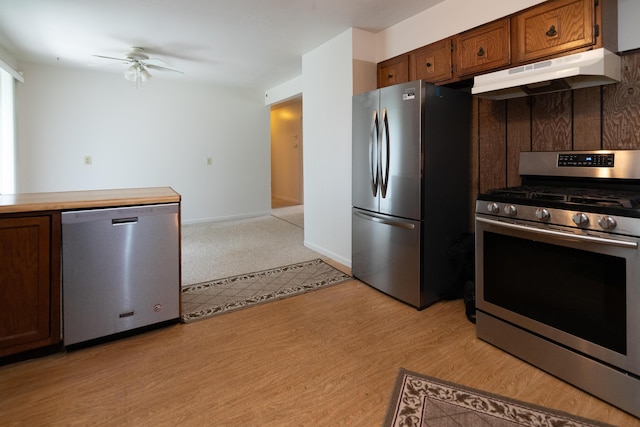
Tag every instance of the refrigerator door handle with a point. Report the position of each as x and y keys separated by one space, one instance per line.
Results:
x=384 y=179
x=386 y=221
x=373 y=153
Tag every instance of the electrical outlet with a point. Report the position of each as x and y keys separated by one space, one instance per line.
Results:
x=209 y=161
x=87 y=160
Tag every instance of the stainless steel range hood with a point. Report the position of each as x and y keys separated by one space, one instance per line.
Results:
x=592 y=68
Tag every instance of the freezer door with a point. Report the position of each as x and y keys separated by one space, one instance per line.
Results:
x=386 y=255
x=365 y=136
x=401 y=149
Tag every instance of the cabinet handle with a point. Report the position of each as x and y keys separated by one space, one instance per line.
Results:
x=428 y=64
x=481 y=52
x=552 y=31
x=389 y=76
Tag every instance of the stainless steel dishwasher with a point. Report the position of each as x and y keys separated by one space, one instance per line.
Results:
x=120 y=270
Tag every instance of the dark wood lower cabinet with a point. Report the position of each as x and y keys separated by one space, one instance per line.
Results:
x=29 y=282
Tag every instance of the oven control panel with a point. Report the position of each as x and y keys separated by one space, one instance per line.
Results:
x=586 y=160
x=549 y=217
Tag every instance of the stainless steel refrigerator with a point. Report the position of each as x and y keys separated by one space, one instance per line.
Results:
x=410 y=188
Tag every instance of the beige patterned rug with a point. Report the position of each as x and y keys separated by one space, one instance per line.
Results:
x=203 y=300
x=420 y=401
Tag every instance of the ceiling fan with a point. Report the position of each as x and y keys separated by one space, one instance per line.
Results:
x=139 y=65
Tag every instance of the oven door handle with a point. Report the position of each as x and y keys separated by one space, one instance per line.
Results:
x=559 y=234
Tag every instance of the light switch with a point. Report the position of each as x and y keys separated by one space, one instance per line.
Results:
x=87 y=160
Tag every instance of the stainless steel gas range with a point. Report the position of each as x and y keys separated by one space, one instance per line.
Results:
x=558 y=270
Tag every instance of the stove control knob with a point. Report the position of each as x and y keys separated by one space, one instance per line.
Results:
x=510 y=210
x=543 y=214
x=580 y=219
x=493 y=207
x=607 y=222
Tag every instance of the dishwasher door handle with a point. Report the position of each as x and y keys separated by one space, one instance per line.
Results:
x=124 y=221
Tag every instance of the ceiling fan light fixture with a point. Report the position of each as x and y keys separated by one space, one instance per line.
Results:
x=138 y=69
x=131 y=73
x=144 y=74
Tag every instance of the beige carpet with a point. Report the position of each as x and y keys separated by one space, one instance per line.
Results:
x=292 y=214
x=208 y=299
x=216 y=250
x=421 y=401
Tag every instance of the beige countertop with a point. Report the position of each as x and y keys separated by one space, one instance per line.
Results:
x=68 y=200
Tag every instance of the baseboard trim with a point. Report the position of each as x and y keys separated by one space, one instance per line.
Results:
x=334 y=256
x=225 y=218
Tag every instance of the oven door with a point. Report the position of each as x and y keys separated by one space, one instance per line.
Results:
x=578 y=289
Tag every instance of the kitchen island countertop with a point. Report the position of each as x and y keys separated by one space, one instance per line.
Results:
x=67 y=200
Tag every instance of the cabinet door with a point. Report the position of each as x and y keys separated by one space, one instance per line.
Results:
x=393 y=71
x=27 y=309
x=553 y=27
x=487 y=47
x=432 y=62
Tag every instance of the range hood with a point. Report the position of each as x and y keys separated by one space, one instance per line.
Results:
x=591 y=68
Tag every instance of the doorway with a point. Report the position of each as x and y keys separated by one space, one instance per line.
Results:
x=286 y=154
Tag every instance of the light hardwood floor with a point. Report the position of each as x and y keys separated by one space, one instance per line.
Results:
x=325 y=358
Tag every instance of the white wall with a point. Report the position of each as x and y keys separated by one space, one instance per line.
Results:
x=284 y=91
x=160 y=135
x=326 y=111
x=628 y=32
x=365 y=75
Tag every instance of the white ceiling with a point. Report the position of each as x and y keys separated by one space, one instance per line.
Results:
x=250 y=43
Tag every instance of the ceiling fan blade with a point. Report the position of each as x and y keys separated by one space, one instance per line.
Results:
x=155 y=59
x=123 y=60
x=107 y=64
x=159 y=68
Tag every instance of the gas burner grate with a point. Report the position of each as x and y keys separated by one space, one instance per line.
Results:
x=571 y=196
x=594 y=201
x=548 y=196
x=506 y=192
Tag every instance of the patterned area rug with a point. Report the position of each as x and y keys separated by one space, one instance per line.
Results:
x=207 y=299
x=420 y=401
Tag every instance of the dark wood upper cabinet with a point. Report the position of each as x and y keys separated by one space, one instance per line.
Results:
x=547 y=30
x=393 y=71
x=484 y=48
x=559 y=26
x=432 y=63
x=553 y=27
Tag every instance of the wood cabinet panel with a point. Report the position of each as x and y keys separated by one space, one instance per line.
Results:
x=587 y=122
x=518 y=136
x=473 y=157
x=393 y=71
x=553 y=27
x=29 y=283
x=432 y=63
x=621 y=108
x=551 y=125
x=484 y=48
x=492 y=144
